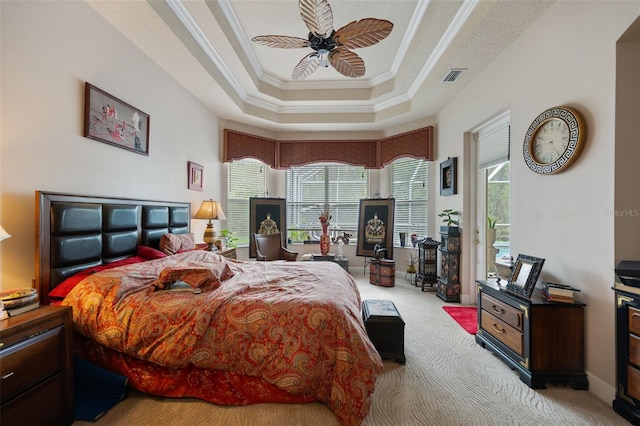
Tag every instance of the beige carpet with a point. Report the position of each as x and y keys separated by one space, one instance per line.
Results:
x=448 y=380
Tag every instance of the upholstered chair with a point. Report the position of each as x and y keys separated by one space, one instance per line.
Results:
x=269 y=247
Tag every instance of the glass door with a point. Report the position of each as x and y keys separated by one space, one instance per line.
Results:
x=498 y=199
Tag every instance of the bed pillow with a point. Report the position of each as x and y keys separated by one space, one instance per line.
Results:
x=150 y=253
x=174 y=243
x=196 y=277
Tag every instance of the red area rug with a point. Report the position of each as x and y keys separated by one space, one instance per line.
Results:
x=466 y=316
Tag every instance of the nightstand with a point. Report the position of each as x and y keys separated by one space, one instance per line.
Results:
x=229 y=253
x=36 y=367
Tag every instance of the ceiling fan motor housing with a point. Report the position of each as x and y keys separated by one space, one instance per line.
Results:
x=318 y=43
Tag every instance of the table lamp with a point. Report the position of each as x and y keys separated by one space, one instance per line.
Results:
x=3 y=234
x=210 y=210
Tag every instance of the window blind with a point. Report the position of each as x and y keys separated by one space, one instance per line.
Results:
x=407 y=181
x=246 y=178
x=310 y=187
x=493 y=141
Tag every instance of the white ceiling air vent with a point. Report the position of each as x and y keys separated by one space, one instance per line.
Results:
x=453 y=74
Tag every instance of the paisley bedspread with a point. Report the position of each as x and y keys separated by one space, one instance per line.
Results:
x=292 y=327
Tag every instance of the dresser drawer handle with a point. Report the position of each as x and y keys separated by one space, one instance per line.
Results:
x=6 y=376
x=498 y=330
x=497 y=311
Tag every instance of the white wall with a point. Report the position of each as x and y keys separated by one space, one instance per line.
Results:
x=567 y=57
x=49 y=50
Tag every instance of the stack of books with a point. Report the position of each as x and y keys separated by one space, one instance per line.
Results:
x=558 y=292
x=17 y=301
x=3 y=313
x=23 y=308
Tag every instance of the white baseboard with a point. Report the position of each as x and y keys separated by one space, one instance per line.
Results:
x=601 y=389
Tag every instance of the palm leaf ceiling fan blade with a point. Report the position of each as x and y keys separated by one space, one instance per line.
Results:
x=362 y=33
x=306 y=66
x=317 y=16
x=282 y=42
x=346 y=62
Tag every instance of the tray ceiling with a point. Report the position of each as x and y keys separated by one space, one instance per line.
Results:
x=206 y=46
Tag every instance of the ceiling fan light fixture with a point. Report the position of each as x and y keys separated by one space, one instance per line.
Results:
x=453 y=75
x=324 y=57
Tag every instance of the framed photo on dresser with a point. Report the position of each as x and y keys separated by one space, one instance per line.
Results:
x=524 y=275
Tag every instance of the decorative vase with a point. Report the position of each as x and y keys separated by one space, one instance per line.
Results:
x=325 y=241
x=403 y=239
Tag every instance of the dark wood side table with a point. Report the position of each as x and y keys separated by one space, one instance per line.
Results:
x=36 y=367
x=542 y=340
x=627 y=400
x=229 y=253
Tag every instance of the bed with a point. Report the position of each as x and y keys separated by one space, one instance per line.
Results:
x=238 y=333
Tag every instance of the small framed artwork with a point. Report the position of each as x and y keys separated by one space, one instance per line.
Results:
x=524 y=275
x=267 y=216
x=375 y=226
x=108 y=119
x=449 y=176
x=195 y=176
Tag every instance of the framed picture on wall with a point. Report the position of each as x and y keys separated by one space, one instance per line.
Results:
x=195 y=176
x=449 y=176
x=108 y=119
x=375 y=226
x=267 y=216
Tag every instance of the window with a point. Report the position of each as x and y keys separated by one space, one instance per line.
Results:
x=310 y=187
x=407 y=180
x=246 y=178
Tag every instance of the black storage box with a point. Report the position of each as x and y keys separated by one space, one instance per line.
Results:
x=385 y=328
x=629 y=272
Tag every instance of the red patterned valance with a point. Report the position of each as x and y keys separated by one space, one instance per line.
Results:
x=372 y=154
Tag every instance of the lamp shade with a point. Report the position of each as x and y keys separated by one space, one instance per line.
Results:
x=210 y=210
x=3 y=234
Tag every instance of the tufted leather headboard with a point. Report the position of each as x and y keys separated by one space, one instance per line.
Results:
x=75 y=232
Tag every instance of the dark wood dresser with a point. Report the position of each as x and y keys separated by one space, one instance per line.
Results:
x=627 y=400
x=36 y=367
x=543 y=341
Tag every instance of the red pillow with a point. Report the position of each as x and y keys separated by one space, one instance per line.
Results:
x=150 y=253
x=62 y=289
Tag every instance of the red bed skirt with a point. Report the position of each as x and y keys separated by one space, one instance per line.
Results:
x=216 y=386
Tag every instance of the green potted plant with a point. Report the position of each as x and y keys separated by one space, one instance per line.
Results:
x=491 y=223
x=230 y=238
x=449 y=219
x=299 y=236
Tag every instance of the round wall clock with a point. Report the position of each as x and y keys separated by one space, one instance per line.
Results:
x=554 y=140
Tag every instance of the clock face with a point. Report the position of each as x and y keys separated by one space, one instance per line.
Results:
x=554 y=140
x=550 y=141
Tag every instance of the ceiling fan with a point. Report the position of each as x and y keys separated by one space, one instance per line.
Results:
x=330 y=46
